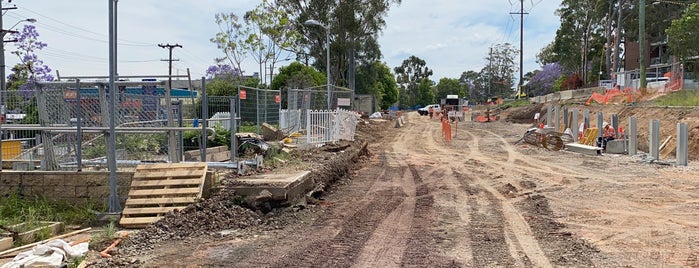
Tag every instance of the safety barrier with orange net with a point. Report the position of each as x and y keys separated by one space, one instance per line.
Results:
x=446 y=130
x=610 y=95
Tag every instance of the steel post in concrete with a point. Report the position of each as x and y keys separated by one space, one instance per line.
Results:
x=600 y=119
x=682 y=150
x=549 y=111
x=575 y=127
x=557 y=118
x=654 y=139
x=586 y=118
x=615 y=122
x=566 y=118
x=632 y=133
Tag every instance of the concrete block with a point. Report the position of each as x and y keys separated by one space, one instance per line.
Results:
x=33 y=179
x=617 y=146
x=81 y=191
x=5 y=243
x=54 y=180
x=98 y=192
x=583 y=149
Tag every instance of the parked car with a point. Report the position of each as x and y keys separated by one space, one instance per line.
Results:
x=426 y=110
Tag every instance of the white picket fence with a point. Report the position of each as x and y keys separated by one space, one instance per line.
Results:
x=321 y=126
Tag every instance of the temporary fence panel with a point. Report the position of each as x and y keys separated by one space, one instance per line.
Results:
x=63 y=123
x=330 y=126
x=258 y=106
x=290 y=120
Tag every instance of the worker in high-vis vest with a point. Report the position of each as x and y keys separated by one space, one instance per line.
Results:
x=608 y=134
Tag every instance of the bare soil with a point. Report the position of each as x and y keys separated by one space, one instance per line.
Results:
x=414 y=200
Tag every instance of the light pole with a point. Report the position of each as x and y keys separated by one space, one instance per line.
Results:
x=327 y=56
x=3 y=89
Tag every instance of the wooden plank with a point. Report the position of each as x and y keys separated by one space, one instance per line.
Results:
x=167 y=173
x=164 y=192
x=138 y=221
x=170 y=166
x=158 y=201
x=155 y=210
x=152 y=183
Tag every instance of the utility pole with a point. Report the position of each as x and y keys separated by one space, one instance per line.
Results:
x=172 y=143
x=521 y=47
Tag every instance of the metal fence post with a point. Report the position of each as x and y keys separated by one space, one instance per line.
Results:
x=234 y=142
x=79 y=122
x=549 y=111
x=633 y=136
x=586 y=118
x=204 y=119
x=682 y=149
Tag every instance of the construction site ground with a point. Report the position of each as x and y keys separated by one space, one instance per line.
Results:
x=409 y=198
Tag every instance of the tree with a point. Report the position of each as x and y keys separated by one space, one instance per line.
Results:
x=353 y=25
x=376 y=79
x=542 y=82
x=409 y=77
x=474 y=83
x=683 y=33
x=30 y=69
x=296 y=76
x=230 y=40
x=582 y=25
x=500 y=70
x=448 y=86
x=272 y=34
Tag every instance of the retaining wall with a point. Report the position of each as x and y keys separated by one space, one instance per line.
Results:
x=70 y=186
x=582 y=93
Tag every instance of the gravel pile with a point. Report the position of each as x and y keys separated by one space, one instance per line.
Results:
x=207 y=217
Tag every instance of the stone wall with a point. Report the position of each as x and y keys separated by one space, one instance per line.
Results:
x=72 y=187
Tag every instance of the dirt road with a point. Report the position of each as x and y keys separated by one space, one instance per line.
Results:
x=477 y=202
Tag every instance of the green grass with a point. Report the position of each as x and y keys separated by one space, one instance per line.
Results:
x=679 y=98
x=16 y=209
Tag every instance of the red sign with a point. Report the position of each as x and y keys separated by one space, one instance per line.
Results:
x=243 y=94
x=277 y=99
x=70 y=94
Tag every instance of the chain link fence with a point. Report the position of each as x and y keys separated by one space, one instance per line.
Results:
x=65 y=125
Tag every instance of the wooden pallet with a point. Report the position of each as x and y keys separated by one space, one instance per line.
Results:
x=589 y=136
x=157 y=189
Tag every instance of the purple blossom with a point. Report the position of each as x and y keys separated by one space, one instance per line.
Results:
x=543 y=81
x=27 y=44
x=222 y=70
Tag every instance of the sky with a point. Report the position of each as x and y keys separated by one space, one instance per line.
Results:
x=452 y=36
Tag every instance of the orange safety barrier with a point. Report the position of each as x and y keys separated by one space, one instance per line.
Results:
x=446 y=130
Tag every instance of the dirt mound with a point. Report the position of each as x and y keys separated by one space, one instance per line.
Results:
x=524 y=115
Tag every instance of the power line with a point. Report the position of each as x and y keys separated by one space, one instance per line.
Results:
x=133 y=43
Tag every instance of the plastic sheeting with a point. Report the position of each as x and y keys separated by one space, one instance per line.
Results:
x=51 y=253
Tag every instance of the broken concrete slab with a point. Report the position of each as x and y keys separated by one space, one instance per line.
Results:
x=284 y=188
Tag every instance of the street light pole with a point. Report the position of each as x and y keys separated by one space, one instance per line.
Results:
x=642 y=41
x=327 y=56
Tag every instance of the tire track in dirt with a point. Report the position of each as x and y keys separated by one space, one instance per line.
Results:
x=420 y=247
x=516 y=224
x=343 y=249
x=486 y=227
